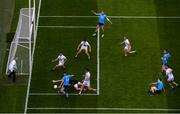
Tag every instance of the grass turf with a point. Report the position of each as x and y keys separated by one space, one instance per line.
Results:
x=123 y=80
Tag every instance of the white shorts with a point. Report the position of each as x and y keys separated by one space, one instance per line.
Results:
x=11 y=69
x=61 y=63
x=170 y=79
x=127 y=48
x=84 y=48
x=86 y=83
x=76 y=85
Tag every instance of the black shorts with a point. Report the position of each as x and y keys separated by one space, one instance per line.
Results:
x=101 y=24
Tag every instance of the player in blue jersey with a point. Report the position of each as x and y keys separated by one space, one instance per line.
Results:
x=101 y=21
x=156 y=87
x=64 y=83
x=165 y=58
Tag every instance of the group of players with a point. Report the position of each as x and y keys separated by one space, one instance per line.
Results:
x=67 y=79
x=158 y=87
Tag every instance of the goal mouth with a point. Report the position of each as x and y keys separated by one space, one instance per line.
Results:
x=22 y=42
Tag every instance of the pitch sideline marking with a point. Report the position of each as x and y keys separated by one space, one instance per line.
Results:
x=117 y=17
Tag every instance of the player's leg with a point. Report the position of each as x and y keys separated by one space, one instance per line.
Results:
x=130 y=51
x=79 y=51
x=82 y=87
x=87 y=53
x=125 y=51
x=97 y=27
x=174 y=83
x=14 y=76
x=102 y=28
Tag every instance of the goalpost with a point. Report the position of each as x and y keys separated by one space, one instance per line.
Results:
x=23 y=41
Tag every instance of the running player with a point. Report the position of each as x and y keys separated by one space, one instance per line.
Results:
x=64 y=83
x=127 y=48
x=170 y=76
x=84 y=45
x=86 y=82
x=62 y=59
x=165 y=58
x=102 y=18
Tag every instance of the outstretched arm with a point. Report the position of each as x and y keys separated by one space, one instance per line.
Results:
x=54 y=60
x=78 y=46
x=109 y=20
x=89 y=48
x=94 y=12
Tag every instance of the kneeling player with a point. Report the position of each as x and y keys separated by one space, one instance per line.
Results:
x=86 y=81
x=170 y=76
x=127 y=48
x=62 y=59
x=84 y=46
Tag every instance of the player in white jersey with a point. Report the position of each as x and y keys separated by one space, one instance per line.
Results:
x=170 y=76
x=12 y=68
x=62 y=59
x=84 y=46
x=127 y=48
x=86 y=81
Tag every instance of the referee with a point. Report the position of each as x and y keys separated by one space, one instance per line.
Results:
x=12 y=69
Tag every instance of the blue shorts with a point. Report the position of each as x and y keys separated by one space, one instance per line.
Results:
x=101 y=24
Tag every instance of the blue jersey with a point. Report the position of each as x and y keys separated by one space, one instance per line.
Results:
x=165 y=57
x=102 y=18
x=66 y=79
x=160 y=85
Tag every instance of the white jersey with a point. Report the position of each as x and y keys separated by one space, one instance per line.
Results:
x=84 y=44
x=87 y=76
x=61 y=58
x=86 y=81
x=127 y=43
x=12 y=65
x=169 y=74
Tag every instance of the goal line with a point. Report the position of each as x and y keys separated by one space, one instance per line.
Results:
x=115 y=17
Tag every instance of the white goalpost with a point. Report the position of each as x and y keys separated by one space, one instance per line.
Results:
x=22 y=42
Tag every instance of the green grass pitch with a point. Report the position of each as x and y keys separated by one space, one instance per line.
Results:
x=123 y=80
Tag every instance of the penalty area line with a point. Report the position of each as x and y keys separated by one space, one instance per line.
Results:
x=104 y=109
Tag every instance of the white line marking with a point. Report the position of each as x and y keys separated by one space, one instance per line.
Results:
x=57 y=94
x=67 y=27
x=29 y=81
x=98 y=43
x=118 y=17
x=105 y=109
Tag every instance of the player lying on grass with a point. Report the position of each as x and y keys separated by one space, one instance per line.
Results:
x=127 y=48
x=170 y=76
x=76 y=84
x=64 y=83
x=165 y=58
x=62 y=59
x=86 y=81
x=84 y=46
x=156 y=87
x=101 y=21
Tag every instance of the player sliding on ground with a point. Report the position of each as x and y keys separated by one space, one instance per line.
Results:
x=62 y=59
x=127 y=48
x=101 y=21
x=86 y=81
x=64 y=83
x=170 y=76
x=156 y=87
x=84 y=46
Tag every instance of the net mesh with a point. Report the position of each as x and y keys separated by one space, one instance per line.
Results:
x=20 y=46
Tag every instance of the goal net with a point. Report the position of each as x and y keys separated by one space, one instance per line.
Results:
x=22 y=42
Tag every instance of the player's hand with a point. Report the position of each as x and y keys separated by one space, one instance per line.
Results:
x=53 y=81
